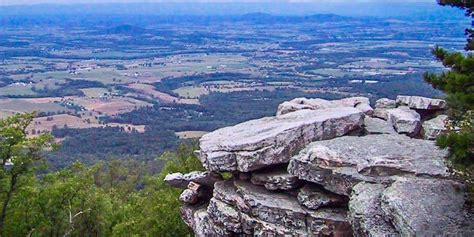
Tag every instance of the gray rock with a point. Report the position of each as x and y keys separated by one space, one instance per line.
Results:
x=329 y=222
x=422 y=103
x=365 y=213
x=189 y=196
x=426 y=207
x=226 y=192
x=434 y=128
x=284 y=210
x=405 y=121
x=275 y=179
x=253 y=210
x=198 y=219
x=180 y=180
x=225 y=215
x=271 y=207
x=361 y=103
x=381 y=107
x=378 y=126
x=204 y=226
x=315 y=197
x=385 y=103
x=341 y=163
x=273 y=140
x=187 y=214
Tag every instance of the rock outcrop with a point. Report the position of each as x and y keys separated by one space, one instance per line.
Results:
x=360 y=103
x=326 y=168
x=339 y=164
x=179 y=180
x=423 y=103
x=270 y=141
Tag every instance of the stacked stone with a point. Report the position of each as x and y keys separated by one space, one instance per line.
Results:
x=414 y=115
x=324 y=168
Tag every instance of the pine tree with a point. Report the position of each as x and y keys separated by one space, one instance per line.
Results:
x=458 y=84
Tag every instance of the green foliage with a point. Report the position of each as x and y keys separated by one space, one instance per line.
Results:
x=19 y=157
x=458 y=84
x=117 y=198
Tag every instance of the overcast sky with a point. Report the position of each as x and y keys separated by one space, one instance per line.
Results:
x=20 y=2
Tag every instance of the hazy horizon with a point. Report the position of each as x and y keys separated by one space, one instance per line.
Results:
x=372 y=8
x=33 y=2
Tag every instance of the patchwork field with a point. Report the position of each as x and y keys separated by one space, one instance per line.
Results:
x=12 y=106
x=109 y=105
x=46 y=124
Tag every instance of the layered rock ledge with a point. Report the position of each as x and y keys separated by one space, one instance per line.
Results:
x=328 y=168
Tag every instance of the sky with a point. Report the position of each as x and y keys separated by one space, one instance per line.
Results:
x=22 y=2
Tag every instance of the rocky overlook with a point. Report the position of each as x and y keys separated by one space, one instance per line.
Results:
x=328 y=168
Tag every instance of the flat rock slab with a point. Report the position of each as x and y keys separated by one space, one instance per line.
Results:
x=361 y=103
x=427 y=207
x=365 y=211
x=273 y=140
x=180 y=180
x=422 y=103
x=378 y=126
x=405 y=121
x=434 y=128
x=341 y=163
x=275 y=179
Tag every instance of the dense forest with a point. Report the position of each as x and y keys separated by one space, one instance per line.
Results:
x=114 y=198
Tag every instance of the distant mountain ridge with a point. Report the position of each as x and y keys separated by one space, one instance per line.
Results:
x=259 y=17
x=384 y=9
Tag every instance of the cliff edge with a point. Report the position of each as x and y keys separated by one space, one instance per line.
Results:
x=328 y=168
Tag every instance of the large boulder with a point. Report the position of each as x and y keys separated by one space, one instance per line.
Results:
x=365 y=212
x=405 y=121
x=428 y=207
x=434 y=128
x=180 y=180
x=361 y=103
x=421 y=103
x=381 y=107
x=273 y=140
x=341 y=163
